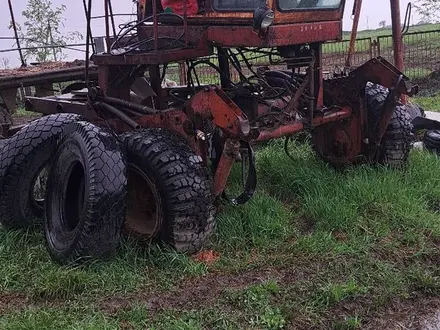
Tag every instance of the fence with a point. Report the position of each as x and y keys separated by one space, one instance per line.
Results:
x=421 y=55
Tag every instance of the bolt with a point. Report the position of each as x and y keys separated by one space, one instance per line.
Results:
x=200 y=135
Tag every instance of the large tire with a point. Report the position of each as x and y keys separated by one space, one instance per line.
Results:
x=22 y=158
x=431 y=140
x=180 y=183
x=397 y=141
x=85 y=199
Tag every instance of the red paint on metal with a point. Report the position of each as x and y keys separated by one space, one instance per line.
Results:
x=277 y=35
x=173 y=120
x=159 y=57
x=155 y=26
x=397 y=39
x=397 y=35
x=230 y=153
x=214 y=105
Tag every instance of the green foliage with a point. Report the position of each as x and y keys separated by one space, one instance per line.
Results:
x=333 y=293
x=42 y=28
x=256 y=301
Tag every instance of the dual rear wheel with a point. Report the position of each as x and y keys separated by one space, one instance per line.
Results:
x=148 y=181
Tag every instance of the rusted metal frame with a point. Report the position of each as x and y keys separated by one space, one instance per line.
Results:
x=380 y=71
x=231 y=151
x=185 y=22
x=244 y=36
x=155 y=26
x=214 y=105
x=153 y=58
x=224 y=65
x=173 y=120
x=311 y=106
x=116 y=112
x=277 y=35
x=17 y=39
x=297 y=126
x=115 y=81
x=397 y=38
x=294 y=102
x=352 y=48
x=156 y=84
x=319 y=78
x=137 y=108
x=52 y=105
x=397 y=35
x=88 y=9
x=245 y=17
x=182 y=73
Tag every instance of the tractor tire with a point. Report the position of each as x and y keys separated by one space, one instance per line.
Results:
x=431 y=141
x=85 y=198
x=397 y=141
x=176 y=185
x=22 y=159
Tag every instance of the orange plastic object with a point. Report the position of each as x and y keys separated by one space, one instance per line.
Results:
x=207 y=257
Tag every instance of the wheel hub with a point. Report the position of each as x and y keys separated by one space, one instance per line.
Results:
x=144 y=206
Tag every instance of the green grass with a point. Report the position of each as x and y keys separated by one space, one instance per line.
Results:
x=316 y=247
x=387 y=31
x=430 y=103
x=21 y=112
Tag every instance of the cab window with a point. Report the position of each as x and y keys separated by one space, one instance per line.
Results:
x=240 y=5
x=309 y=4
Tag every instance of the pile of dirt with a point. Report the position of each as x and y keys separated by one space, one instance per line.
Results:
x=429 y=85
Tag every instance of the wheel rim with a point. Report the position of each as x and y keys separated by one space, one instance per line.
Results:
x=74 y=197
x=144 y=215
x=38 y=192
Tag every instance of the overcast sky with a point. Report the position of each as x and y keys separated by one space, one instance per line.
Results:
x=373 y=12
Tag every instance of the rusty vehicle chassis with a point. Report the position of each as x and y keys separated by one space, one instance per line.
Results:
x=343 y=126
x=333 y=110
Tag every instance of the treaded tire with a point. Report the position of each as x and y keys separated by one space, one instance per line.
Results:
x=85 y=198
x=431 y=140
x=397 y=140
x=182 y=181
x=22 y=158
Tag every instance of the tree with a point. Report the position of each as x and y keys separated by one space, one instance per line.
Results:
x=382 y=24
x=42 y=29
x=428 y=9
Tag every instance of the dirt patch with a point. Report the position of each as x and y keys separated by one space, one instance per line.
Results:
x=191 y=293
x=12 y=301
x=305 y=225
x=416 y=314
